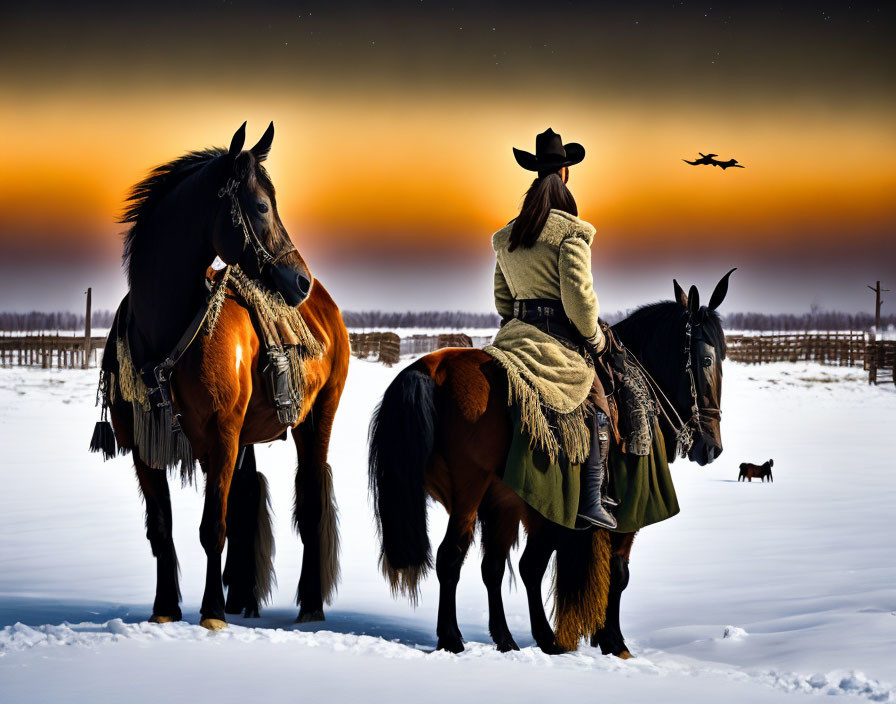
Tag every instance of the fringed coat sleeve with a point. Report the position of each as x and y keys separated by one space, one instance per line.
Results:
x=577 y=290
x=503 y=296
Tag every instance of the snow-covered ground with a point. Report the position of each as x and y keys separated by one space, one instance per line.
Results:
x=755 y=592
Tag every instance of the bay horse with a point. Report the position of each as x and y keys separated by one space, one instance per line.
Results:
x=750 y=471
x=443 y=431
x=180 y=220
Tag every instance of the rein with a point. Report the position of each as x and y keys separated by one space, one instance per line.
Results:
x=160 y=391
x=684 y=434
x=239 y=219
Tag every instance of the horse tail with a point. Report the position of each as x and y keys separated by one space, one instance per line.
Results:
x=581 y=586
x=402 y=436
x=329 y=536
x=264 y=544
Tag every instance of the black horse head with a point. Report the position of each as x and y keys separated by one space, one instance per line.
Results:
x=703 y=353
x=682 y=346
x=205 y=203
x=265 y=250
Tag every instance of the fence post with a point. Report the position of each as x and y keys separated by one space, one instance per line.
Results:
x=871 y=352
x=86 y=361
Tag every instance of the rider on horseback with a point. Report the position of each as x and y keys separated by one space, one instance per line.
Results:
x=543 y=278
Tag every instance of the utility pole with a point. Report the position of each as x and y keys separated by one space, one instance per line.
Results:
x=878 y=303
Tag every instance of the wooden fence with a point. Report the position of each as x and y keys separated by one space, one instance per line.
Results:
x=877 y=357
x=47 y=351
x=385 y=346
x=880 y=361
x=388 y=347
x=852 y=348
x=836 y=348
x=424 y=344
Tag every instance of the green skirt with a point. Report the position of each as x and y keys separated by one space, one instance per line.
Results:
x=642 y=485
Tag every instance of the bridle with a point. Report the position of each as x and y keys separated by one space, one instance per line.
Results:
x=239 y=219
x=685 y=430
x=691 y=333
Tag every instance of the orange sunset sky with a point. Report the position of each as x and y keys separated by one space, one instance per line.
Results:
x=392 y=156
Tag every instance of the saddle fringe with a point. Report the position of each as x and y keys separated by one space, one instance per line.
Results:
x=271 y=309
x=157 y=442
x=548 y=430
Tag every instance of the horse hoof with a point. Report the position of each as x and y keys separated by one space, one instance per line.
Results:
x=310 y=616
x=507 y=646
x=552 y=649
x=624 y=655
x=155 y=618
x=452 y=646
x=213 y=624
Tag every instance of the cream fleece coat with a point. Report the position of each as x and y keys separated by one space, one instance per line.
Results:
x=557 y=266
x=548 y=381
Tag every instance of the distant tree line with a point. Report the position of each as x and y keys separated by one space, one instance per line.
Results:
x=60 y=320
x=444 y=319
x=447 y=320
x=813 y=320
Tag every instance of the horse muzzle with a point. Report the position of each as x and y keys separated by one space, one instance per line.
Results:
x=705 y=451
x=292 y=284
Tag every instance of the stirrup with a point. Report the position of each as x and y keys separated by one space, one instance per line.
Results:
x=583 y=521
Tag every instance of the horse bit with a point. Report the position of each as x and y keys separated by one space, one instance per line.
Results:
x=239 y=219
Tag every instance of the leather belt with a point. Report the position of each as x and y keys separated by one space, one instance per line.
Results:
x=547 y=315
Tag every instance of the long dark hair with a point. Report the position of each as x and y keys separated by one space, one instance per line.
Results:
x=546 y=192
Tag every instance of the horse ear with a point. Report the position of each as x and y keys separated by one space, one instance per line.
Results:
x=693 y=301
x=721 y=291
x=241 y=165
x=239 y=139
x=680 y=296
x=261 y=149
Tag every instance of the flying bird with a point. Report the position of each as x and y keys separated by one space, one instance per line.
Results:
x=708 y=160
x=731 y=163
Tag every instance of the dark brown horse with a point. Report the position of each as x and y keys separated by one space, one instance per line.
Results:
x=443 y=430
x=180 y=220
x=756 y=471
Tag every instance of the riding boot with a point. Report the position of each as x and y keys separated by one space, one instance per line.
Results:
x=593 y=472
x=605 y=498
x=603 y=433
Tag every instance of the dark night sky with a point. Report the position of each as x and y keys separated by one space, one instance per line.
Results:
x=395 y=122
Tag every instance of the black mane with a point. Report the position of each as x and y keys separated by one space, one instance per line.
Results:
x=144 y=197
x=665 y=314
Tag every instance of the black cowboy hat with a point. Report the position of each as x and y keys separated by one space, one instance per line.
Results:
x=550 y=153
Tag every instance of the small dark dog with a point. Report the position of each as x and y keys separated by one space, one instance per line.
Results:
x=754 y=471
